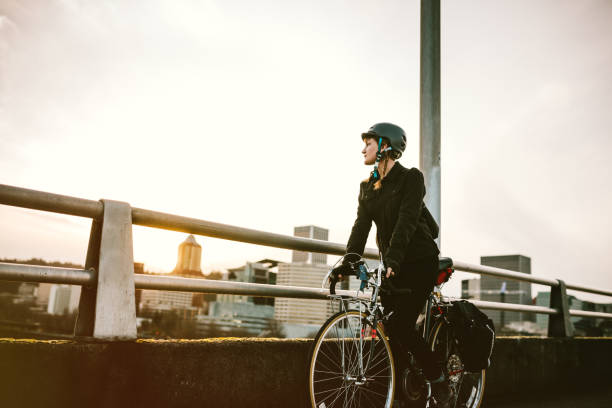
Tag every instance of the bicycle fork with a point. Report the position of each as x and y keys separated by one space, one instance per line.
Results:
x=363 y=345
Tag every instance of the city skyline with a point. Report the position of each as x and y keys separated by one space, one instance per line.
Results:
x=252 y=117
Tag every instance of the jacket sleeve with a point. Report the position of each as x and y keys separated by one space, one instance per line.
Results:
x=361 y=228
x=408 y=217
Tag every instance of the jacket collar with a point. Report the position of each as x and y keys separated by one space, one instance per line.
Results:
x=393 y=173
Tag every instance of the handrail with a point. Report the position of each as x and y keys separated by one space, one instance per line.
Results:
x=175 y=283
x=46 y=274
x=28 y=273
x=97 y=210
x=39 y=200
x=43 y=201
x=155 y=219
x=503 y=273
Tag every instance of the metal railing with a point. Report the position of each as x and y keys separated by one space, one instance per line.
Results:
x=107 y=304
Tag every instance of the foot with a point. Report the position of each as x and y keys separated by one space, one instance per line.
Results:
x=441 y=393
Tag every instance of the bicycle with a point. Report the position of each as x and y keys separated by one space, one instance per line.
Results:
x=352 y=363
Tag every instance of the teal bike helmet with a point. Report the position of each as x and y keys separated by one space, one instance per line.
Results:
x=392 y=133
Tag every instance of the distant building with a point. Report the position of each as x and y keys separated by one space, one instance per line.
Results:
x=543 y=299
x=189 y=259
x=59 y=299
x=495 y=289
x=238 y=312
x=263 y=271
x=470 y=288
x=188 y=265
x=227 y=317
x=309 y=313
x=42 y=294
x=583 y=326
x=302 y=316
x=307 y=270
x=312 y=232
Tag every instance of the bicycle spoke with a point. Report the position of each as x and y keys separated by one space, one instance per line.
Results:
x=328 y=379
x=373 y=392
x=328 y=372
x=332 y=360
x=380 y=353
x=368 y=398
x=336 y=395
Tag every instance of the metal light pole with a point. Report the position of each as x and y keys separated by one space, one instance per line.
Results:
x=429 y=161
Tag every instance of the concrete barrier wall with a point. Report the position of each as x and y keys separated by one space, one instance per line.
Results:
x=249 y=372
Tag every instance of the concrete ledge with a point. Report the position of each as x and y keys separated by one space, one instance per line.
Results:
x=528 y=367
x=248 y=372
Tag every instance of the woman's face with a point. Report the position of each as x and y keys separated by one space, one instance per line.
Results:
x=369 y=151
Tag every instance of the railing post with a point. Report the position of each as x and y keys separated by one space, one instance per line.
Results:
x=109 y=311
x=87 y=303
x=560 y=325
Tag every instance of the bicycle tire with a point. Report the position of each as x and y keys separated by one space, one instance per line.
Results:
x=333 y=375
x=469 y=387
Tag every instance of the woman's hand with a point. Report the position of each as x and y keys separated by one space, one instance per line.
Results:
x=390 y=273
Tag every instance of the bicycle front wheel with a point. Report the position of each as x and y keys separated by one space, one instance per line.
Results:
x=468 y=386
x=351 y=364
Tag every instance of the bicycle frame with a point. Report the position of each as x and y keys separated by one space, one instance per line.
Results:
x=373 y=304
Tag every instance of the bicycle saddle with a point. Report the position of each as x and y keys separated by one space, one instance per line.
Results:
x=444 y=264
x=445 y=270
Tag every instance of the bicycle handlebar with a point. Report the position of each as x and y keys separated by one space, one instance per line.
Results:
x=387 y=285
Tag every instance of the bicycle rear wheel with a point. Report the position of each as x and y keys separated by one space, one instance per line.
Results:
x=351 y=365
x=468 y=386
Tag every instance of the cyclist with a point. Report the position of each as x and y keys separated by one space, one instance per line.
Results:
x=392 y=197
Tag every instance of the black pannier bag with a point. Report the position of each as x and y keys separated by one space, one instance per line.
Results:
x=475 y=333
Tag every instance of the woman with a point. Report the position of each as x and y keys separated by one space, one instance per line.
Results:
x=392 y=197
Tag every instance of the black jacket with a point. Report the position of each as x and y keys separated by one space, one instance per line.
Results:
x=397 y=208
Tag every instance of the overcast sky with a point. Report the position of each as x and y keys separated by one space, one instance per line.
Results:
x=250 y=114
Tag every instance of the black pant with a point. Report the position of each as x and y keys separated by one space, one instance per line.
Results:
x=418 y=276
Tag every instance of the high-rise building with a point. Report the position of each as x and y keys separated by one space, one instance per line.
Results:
x=189 y=259
x=312 y=232
x=309 y=313
x=300 y=317
x=188 y=265
x=496 y=289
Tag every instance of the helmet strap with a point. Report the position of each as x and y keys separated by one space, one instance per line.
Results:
x=375 y=173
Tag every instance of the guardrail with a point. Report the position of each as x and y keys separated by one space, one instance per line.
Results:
x=107 y=304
